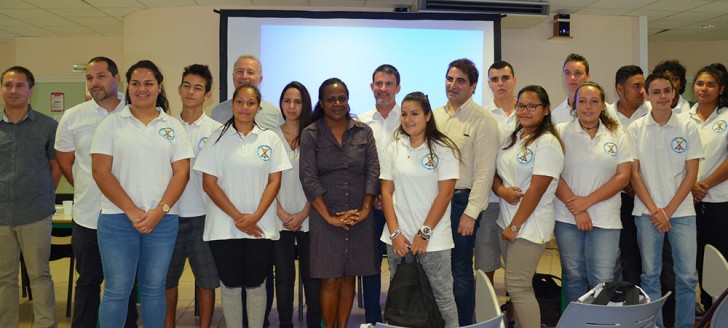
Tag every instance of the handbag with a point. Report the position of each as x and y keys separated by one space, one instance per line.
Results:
x=410 y=301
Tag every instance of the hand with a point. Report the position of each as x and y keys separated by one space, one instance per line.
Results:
x=337 y=221
x=509 y=235
x=577 y=204
x=512 y=195
x=583 y=221
x=700 y=190
x=134 y=215
x=661 y=220
x=628 y=190
x=350 y=217
x=378 y=202
x=149 y=219
x=248 y=223
x=419 y=246
x=401 y=245
x=294 y=221
x=362 y=214
x=466 y=225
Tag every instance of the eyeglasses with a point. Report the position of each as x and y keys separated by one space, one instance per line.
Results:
x=530 y=107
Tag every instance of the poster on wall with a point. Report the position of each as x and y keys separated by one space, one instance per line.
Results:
x=57 y=102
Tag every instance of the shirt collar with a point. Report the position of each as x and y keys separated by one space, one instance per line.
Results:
x=30 y=114
x=467 y=104
x=670 y=122
x=118 y=108
x=196 y=122
x=126 y=112
x=395 y=112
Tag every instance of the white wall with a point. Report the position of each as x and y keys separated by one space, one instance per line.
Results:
x=53 y=57
x=693 y=55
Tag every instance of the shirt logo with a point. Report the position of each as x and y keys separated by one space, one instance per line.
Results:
x=430 y=161
x=679 y=145
x=611 y=148
x=264 y=152
x=525 y=156
x=167 y=133
x=202 y=142
x=719 y=126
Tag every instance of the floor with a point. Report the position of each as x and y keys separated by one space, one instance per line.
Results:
x=185 y=312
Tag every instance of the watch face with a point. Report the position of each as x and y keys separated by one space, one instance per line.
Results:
x=514 y=228
x=426 y=230
x=165 y=208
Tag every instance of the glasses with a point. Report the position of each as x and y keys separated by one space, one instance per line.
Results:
x=530 y=107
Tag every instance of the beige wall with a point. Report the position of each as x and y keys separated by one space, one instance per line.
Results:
x=53 y=57
x=694 y=55
x=7 y=55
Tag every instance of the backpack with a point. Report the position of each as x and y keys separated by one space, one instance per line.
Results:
x=616 y=293
x=410 y=301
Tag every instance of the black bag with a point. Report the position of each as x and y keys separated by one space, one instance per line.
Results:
x=621 y=292
x=410 y=302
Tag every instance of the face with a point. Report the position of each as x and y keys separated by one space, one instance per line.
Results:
x=706 y=88
x=589 y=105
x=574 y=75
x=660 y=93
x=192 y=91
x=143 y=88
x=101 y=84
x=413 y=118
x=385 y=88
x=530 y=118
x=245 y=106
x=458 y=86
x=292 y=104
x=675 y=80
x=16 y=89
x=502 y=82
x=335 y=102
x=245 y=71
x=632 y=91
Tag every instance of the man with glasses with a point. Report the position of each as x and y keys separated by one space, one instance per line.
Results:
x=575 y=71
x=475 y=132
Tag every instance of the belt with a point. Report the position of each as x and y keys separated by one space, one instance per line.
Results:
x=462 y=191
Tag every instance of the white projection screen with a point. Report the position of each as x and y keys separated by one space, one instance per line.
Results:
x=311 y=47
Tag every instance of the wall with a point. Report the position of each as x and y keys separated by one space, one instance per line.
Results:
x=7 y=59
x=53 y=57
x=685 y=52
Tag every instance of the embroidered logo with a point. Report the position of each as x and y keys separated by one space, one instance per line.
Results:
x=525 y=156
x=202 y=142
x=167 y=133
x=679 y=145
x=611 y=148
x=264 y=152
x=430 y=161
x=719 y=126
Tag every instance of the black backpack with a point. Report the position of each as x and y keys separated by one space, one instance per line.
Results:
x=621 y=292
x=410 y=302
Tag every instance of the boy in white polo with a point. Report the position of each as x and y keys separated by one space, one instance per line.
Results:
x=666 y=150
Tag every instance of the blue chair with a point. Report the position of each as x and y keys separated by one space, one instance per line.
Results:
x=602 y=316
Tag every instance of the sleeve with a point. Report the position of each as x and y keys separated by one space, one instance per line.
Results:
x=280 y=158
x=308 y=165
x=103 y=142
x=205 y=161
x=182 y=148
x=624 y=151
x=486 y=149
x=448 y=166
x=371 y=186
x=548 y=158
x=695 y=147
x=64 y=135
x=386 y=167
x=53 y=128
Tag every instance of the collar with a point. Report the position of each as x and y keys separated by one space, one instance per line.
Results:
x=197 y=122
x=30 y=114
x=467 y=104
x=575 y=126
x=118 y=108
x=231 y=131
x=404 y=140
x=670 y=122
x=395 y=112
x=126 y=112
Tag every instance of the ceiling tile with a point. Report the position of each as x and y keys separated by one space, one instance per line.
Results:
x=690 y=16
x=166 y=3
x=115 y=4
x=601 y=11
x=26 y=13
x=48 y=21
x=9 y=22
x=78 y=12
x=337 y=3
x=716 y=6
x=222 y=2
x=28 y=31
x=92 y=21
x=66 y=30
x=15 y=4
x=279 y=2
x=651 y=14
x=676 y=5
x=119 y=12
x=389 y=3
x=50 y=4
x=622 y=4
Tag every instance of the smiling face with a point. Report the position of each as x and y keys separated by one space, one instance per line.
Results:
x=247 y=71
x=458 y=87
x=292 y=104
x=245 y=106
x=413 y=119
x=502 y=82
x=335 y=102
x=192 y=91
x=707 y=89
x=660 y=93
x=101 y=84
x=385 y=89
x=16 y=89
x=589 y=105
x=530 y=111
x=574 y=75
x=143 y=89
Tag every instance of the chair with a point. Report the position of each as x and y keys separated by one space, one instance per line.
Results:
x=628 y=316
x=720 y=316
x=495 y=322
x=715 y=271
x=486 y=301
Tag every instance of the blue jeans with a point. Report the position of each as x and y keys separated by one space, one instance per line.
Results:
x=683 y=240
x=125 y=254
x=587 y=257
x=462 y=261
x=373 y=284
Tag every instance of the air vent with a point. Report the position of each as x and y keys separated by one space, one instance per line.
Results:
x=493 y=7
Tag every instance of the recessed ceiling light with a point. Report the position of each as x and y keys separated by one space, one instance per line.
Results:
x=706 y=26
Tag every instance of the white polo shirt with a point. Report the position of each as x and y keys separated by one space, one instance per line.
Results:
x=75 y=133
x=714 y=139
x=142 y=156
x=193 y=201
x=506 y=126
x=241 y=165
x=382 y=128
x=516 y=166
x=416 y=173
x=662 y=152
x=291 y=196
x=625 y=121
x=561 y=113
x=588 y=165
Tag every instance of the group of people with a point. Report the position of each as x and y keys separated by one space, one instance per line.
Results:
x=245 y=191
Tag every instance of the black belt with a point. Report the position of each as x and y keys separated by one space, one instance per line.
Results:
x=462 y=191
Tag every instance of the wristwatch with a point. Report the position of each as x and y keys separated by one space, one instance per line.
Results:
x=514 y=228
x=165 y=207
x=425 y=232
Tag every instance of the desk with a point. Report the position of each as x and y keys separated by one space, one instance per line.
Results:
x=59 y=220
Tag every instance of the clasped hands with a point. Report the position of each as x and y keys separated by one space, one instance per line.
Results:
x=248 y=223
x=577 y=206
x=345 y=219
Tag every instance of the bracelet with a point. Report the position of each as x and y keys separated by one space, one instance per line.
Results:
x=395 y=234
x=422 y=235
x=665 y=215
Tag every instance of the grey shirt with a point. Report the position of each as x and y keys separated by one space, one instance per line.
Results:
x=27 y=194
x=268 y=117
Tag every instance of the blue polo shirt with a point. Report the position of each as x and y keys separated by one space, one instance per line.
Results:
x=26 y=186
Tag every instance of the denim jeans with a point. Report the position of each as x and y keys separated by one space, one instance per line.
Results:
x=587 y=257
x=373 y=284
x=125 y=254
x=683 y=240
x=462 y=261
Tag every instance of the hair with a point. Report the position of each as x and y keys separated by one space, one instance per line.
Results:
x=387 y=69
x=576 y=58
x=306 y=109
x=467 y=66
x=501 y=64
x=432 y=134
x=110 y=64
x=147 y=64
x=231 y=121
x=720 y=74
x=674 y=67
x=625 y=72
x=609 y=122
x=251 y=57
x=318 y=111
x=544 y=127
x=22 y=70
x=200 y=70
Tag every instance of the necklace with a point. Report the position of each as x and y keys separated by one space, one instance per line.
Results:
x=588 y=128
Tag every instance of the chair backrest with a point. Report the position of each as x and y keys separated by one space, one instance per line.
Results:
x=495 y=322
x=715 y=271
x=486 y=301
x=628 y=316
x=720 y=316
